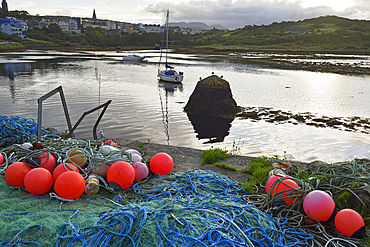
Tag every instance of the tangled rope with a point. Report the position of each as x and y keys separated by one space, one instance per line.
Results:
x=16 y=129
x=194 y=208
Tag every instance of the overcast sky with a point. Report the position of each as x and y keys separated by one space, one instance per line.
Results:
x=228 y=13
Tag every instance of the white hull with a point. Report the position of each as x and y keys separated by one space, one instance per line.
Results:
x=133 y=58
x=170 y=76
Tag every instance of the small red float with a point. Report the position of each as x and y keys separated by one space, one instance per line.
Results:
x=285 y=185
x=15 y=173
x=70 y=185
x=161 y=163
x=120 y=175
x=1 y=159
x=350 y=223
x=44 y=159
x=110 y=142
x=38 y=181
x=63 y=168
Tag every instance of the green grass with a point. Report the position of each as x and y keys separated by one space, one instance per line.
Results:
x=224 y=166
x=259 y=168
x=211 y=156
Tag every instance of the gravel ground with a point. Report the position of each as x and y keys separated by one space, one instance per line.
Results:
x=186 y=159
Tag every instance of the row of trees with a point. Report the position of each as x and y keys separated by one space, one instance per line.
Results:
x=327 y=32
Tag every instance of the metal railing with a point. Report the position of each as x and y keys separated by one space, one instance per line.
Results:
x=64 y=103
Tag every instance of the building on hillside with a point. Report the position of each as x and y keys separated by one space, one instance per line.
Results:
x=68 y=25
x=35 y=23
x=152 y=28
x=103 y=24
x=121 y=26
x=130 y=28
x=4 y=6
x=11 y=25
x=296 y=30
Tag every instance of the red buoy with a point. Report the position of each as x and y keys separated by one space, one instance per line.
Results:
x=1 y=159
x=44 y=159
x=70 y=185
x=63 y=168
x=15 y=173
x=350 y=223
x=161 y=163
x=320 y=206
x=286 y=186
x=141 y=171
x=110 y=142
x=38 y=181
x=120 y=175
x=271 y=180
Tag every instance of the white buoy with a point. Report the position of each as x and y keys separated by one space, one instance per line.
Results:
x=136 y=158
x=107 y=149
x=27 y=145
x=132 y=151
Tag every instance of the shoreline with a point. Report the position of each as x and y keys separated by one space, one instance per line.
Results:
x=324 y=67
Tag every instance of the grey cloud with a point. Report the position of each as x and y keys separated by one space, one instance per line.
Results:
x=254 y=12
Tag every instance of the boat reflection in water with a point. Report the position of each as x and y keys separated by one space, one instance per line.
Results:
x=17 y=68
x=169 y=89
x=210 y=127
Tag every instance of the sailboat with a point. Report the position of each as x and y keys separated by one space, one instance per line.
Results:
x=168 y=73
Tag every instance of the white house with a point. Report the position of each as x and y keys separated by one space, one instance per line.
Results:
x=10 y=25
x=152 y=28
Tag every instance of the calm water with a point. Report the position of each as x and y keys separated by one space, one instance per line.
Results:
x=143 y=108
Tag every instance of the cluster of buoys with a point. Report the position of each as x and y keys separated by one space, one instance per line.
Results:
x=317 y=204
x=43 y=170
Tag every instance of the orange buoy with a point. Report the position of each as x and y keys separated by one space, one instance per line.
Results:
x=283 y=164
x=44 y=159
x=38 y=181
x=319 y=205
x=70 y=185
x=161 y=163
x=350 y=223
x=120 y=175
x=285 y=186
x=63 y=168
x=141 y=171
x=15 y=173
x=76 y=157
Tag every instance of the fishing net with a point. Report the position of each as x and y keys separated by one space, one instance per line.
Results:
x=16 y=129
x=195 y=208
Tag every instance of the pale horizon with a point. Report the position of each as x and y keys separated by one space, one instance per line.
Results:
x=231 y=14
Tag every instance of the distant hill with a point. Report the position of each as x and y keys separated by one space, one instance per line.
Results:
x=196 y=25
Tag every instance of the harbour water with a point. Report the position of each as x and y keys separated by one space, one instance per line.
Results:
x=143 y=108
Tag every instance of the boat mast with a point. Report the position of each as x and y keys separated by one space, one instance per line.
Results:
x=168 y=13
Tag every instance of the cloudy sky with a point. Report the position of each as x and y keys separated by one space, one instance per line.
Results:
x=228 y=13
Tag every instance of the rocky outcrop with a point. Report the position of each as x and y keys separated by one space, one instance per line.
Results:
x=212 y=96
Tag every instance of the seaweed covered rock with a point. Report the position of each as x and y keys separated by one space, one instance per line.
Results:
x=212 y=96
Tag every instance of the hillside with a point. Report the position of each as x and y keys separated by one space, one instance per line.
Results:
x=329 y=33
x=322 y=33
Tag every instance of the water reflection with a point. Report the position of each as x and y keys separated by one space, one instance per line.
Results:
x=169 y=89
x=210 y=127
x=17 y=68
